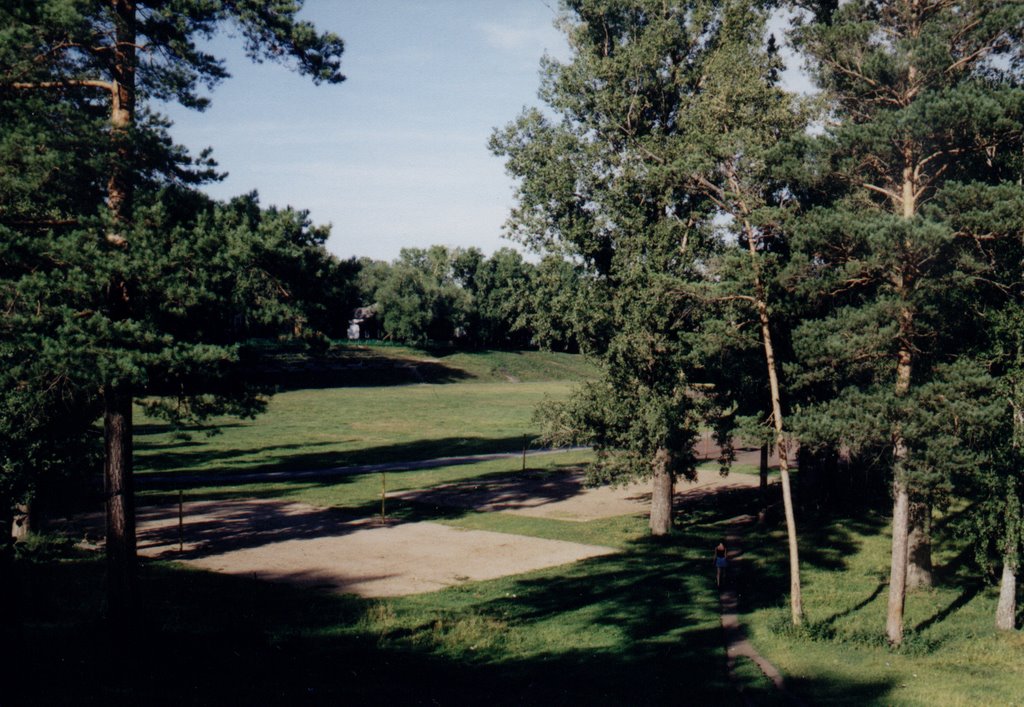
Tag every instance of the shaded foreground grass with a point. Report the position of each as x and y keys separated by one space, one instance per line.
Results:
x=637 y=627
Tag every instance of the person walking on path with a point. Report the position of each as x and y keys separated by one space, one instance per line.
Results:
x=721 y=562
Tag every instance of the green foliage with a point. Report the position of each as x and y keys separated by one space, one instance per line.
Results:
x=907 y=247
x=460 y=297
x=597 y=183
x=113 y=273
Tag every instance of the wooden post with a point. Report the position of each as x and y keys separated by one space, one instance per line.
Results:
x=181 y=520
x=383 y=496
x=525 y=445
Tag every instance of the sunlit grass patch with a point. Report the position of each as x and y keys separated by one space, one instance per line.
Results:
x=951 y=654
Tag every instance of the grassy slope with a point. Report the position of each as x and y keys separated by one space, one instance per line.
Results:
x=487 y=407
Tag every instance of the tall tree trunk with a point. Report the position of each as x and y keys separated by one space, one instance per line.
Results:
x=898 y=566
x=795 y=594
x=903 y=281
x=117 y=476
x=1006 y=609
x=901 y=495
x=11 y=611
x=117 y=395
x=762 y=490
x=919 y=546
x=21 y=525
x=661 y=493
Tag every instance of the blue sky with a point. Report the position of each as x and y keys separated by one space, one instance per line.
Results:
x=397 y=154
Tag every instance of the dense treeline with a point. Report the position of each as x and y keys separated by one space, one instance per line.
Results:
x=461 y=297
x=841 y=273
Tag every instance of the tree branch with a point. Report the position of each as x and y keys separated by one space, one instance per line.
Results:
x=882 y=190
x=70 y=83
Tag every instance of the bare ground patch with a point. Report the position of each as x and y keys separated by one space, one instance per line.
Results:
x=310 y=546
x=322 y=547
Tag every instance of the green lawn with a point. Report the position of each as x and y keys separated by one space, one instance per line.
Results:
x=485 y=403
x=307 y=429
x=952 y=655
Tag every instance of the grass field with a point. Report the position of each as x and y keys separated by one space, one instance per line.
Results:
x=637 y=627
x=486 y=405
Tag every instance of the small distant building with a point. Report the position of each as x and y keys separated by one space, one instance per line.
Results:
x=364 y=324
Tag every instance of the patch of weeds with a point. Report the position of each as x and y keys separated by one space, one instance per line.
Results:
x=463 y=634
x=39 y=547
x=917 y=644
x=379 y=617
x=817 y=631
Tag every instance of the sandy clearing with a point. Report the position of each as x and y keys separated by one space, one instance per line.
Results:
x=310 y=546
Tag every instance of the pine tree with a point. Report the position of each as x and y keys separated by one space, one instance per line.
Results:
x=591 y=187
x=113 y=57
x=923 y=95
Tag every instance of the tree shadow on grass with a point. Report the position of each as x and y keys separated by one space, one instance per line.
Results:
x=210 y=639
x=966 y=596
x=622 y=631
x=347 y=368
x=825 y=545
x=146 y=429
x=177 y=470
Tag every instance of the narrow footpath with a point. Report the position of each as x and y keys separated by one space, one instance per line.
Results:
x=737 y=645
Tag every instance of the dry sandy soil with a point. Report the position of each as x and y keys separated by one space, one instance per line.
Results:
x=311 y=546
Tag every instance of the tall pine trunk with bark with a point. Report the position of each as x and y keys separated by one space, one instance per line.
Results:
x=796 y=603
x=919 y=546
x=117 y=394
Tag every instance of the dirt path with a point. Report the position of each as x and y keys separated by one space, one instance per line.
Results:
x=737 y=645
